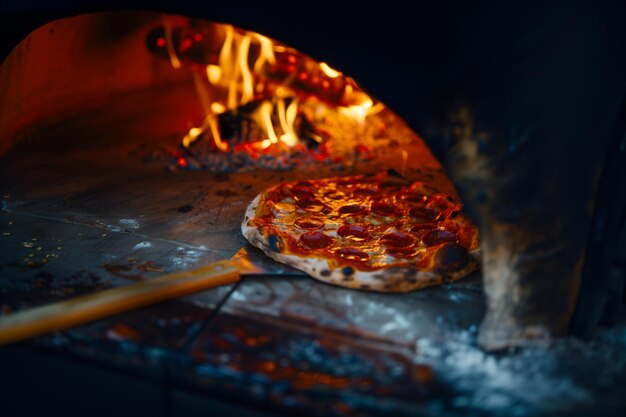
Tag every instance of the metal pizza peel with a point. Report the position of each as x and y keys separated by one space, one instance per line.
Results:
x=247 y=262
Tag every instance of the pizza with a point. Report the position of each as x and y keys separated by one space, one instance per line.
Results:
x=379 y=232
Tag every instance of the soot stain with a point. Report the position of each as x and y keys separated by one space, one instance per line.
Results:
x=185 y=209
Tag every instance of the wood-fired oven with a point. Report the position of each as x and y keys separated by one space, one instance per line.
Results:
x=133 y=135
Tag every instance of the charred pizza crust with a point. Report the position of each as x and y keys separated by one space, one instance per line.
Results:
x=269 y=224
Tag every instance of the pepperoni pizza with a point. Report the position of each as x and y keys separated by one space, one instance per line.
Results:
x=372 y=232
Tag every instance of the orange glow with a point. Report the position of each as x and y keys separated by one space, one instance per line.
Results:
x=329 y=71
x=191 y=136
x=217 y=108
x=213 y=73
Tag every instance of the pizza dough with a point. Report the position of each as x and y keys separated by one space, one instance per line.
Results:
x=370 y=232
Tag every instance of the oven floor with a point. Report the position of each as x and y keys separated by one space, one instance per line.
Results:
x=81 y=218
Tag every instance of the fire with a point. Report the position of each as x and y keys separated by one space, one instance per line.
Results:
x=265 y=111
x=287 y=116
x=329 y=71
x=253 y=69
x=362 y=109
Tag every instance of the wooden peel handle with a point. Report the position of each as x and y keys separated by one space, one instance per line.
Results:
x=63 y=314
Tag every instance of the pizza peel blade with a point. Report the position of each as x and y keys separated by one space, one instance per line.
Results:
x=252 y=262
x=79 y=310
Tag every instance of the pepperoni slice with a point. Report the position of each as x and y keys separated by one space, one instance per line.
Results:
x=316 y=240
x=310 y=204
x=435 y=237
x=353 y=231
x=401 y=252
x=423 y=214
x=440 y=202
x=397 y=240
x=366 y=192
x=352 y=209
x=302 y=191
x=309 y=223
x=413 y=198
x=276 y=195
x=391 y=186
x=422 y=227
x=451 y=257
x=352 y=254
x=384 y=209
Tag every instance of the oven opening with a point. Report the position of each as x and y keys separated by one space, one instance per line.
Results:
x=238 y=100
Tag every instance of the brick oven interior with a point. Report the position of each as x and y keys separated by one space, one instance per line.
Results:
x=89 y=202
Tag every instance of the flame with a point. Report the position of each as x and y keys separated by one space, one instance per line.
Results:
x=360 y=105
x=169 y=45
x=246 y=75
x=286 y=113
x=332 y=73
x=267 y=53
x=265 y=112
x=191 y=136
x=360 y=111
x=213 y=73
x=242 y=73
x=226 y=52
x=211 y=124
x=287 y=117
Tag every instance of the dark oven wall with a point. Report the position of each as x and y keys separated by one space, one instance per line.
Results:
x=523 y=103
